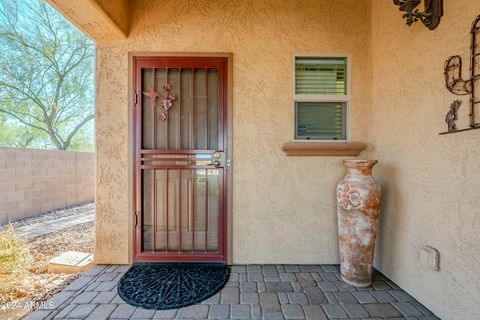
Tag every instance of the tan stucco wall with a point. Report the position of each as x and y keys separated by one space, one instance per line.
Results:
x=102 y=20
x=118 y=11
x=431 y=182
x=283 y=207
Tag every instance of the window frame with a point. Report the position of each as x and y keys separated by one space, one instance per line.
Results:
x=322 y=97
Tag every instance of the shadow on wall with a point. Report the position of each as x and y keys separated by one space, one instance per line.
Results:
x=391 y=198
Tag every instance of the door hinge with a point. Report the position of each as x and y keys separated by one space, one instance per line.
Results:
x=136 y=219
x=135 y=99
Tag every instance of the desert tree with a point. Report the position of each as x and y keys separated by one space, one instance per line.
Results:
x=13 y=135
x=46 y=72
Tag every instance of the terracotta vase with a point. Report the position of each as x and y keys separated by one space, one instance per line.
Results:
x=358 y=210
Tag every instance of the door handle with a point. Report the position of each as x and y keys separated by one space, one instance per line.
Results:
x=215 y=163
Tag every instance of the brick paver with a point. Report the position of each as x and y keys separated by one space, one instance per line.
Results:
x=252 y=292
x=219 y=311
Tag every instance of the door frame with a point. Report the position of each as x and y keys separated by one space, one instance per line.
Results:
x=133 y=56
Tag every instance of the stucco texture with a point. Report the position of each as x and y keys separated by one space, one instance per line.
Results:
x=430 y=182
x=102 y=20
x=118 y=11
x=283 y=207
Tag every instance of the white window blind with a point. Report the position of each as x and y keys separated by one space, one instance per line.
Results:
x=320 y=120
x=320 y=76
x=321 y=98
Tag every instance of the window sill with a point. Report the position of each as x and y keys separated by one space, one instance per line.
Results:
x=323 y=148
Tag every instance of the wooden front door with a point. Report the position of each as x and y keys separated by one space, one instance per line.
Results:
x=180 y=158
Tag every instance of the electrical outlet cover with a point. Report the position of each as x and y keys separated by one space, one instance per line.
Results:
x=430 y=258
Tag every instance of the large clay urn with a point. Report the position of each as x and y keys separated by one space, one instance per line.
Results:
x=358 y=209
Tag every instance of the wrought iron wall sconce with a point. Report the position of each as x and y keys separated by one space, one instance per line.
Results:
x=457 y=85
x=430 y=17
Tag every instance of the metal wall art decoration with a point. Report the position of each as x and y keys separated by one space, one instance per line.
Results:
x=452 y=115
x=152 y=94
x=457 y=85
x=430 y=17
x=167 y=102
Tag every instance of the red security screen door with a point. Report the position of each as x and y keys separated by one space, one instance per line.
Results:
x=180 y=158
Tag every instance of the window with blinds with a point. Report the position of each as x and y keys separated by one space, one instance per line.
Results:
x=320 y=76
x=320 y=120
x=321 y=98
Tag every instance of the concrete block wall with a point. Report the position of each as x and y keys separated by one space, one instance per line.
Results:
x=33 y=181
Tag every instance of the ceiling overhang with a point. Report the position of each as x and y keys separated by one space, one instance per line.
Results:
x=92 y=19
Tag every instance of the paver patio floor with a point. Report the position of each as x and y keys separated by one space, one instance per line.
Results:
x=253 y=292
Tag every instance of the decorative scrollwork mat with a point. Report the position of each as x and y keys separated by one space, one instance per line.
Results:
x=165 y=286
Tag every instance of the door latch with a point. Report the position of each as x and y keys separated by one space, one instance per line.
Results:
x=215 y=163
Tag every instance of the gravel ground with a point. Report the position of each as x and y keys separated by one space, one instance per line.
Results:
x=35 y=284
x=54 y=214
x=76 y=238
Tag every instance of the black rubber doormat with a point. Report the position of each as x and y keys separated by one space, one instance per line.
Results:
x=163 y=286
